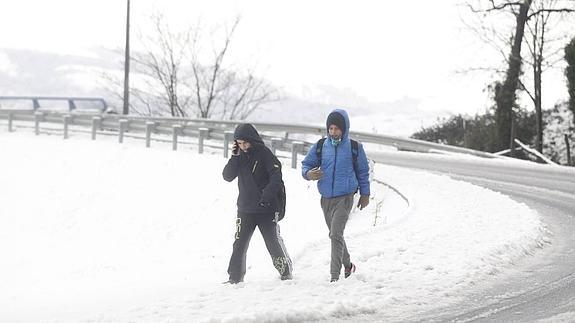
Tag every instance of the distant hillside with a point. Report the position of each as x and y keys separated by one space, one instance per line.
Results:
x=24 y=72
x=397 y=118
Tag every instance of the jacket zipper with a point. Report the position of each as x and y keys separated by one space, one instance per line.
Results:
x=254 y=168
x=333 y=177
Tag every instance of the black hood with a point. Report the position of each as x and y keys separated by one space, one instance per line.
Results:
x=336 y=118
x=248 y=133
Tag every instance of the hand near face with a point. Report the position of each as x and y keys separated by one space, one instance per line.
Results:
x=235 y=148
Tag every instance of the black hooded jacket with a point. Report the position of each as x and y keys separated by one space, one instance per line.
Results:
x=258 y=172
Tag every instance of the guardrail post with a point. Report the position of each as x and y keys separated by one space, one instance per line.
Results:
x=71 y=105
x=95 y=126
x=123 y=127
x=203 y=135
x=149 y=128
x=296 y=147
x=176 y=130
x=228 y=136
x=276 y=143
x=10 y=119
x=67 y=118
x=38 y=116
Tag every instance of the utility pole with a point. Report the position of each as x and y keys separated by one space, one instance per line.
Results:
x=126 y=109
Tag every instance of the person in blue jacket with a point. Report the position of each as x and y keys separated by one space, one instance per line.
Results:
x=339 y=175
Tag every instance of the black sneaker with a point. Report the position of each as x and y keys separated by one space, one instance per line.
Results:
x=232 y=281
x=333 y=280
x=350 y=270
x=286 y=277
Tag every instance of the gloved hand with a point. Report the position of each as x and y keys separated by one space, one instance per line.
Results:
x=235 y=149
x=363 y=201
x=314 y=174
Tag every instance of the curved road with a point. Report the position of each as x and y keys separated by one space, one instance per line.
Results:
x=541 y=286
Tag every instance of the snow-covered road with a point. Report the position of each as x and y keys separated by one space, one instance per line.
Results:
x=540 y=288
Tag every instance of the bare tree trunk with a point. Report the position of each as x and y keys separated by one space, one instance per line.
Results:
x=506 y=97
x=538 y=109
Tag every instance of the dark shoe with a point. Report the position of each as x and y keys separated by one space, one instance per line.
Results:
x=333 y=280
x=232 y=281
x=350 y=270
x=286 y=277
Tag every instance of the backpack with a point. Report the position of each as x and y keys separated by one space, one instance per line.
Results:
x=281 y=198
x=281 y=195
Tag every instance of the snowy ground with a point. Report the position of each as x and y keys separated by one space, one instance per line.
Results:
x=95 y=231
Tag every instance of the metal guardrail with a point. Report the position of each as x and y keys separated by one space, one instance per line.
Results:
x=98 y=104
x=279 y=136
x=406 y=144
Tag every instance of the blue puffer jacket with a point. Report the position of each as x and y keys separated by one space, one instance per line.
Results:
x=339 y=177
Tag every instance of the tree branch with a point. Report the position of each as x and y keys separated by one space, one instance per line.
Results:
x=502 y=6
x=562 y=10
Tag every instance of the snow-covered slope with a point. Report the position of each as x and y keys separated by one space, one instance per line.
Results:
x=97 y=231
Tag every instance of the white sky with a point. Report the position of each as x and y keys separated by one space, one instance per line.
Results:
x=123 y=233
x=382 y=50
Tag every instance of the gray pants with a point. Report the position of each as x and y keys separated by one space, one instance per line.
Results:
x=336 y=211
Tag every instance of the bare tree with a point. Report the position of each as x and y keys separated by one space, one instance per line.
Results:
x=142 y=101
x=195 y=79
x=162 y=62
x=505 y=98
x=189 y=74
x=544 y=52
x=220 y=90
x=210 y=80
x=523 y=11
x=243 y=94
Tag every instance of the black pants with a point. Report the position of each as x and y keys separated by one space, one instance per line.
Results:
x=270 y=230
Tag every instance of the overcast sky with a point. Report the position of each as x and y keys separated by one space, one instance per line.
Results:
x=381 y=50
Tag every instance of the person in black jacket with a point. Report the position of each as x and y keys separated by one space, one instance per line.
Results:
x=259 y=180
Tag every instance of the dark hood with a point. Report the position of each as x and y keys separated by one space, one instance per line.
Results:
x=248 y=133
x=340 y=118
